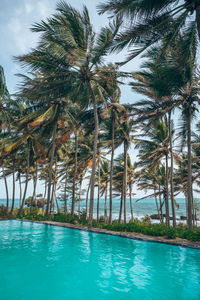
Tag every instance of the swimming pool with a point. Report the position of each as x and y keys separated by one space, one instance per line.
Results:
x=47 y=262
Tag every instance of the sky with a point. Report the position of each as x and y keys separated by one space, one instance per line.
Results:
x=16 y=18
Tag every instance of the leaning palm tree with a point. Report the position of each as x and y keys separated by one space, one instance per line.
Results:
x=181 y=92
x=148 y=21
x=71 y=57
x=158 y=81
x=152 y=149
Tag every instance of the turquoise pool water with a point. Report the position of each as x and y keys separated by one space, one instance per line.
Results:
x=46 y=262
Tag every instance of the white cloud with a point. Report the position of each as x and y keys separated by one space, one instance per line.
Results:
x=28 y=7
x=20 y=22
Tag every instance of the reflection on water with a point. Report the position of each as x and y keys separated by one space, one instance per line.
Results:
x=47 y=262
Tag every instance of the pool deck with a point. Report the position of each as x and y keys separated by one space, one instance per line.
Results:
x=130 y=235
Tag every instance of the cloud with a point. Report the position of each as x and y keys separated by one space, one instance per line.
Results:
x=27 y=13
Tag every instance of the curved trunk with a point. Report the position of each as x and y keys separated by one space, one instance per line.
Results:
x=98 y=197
x=189 y=179
x=96 y=129
x=111 y=166
x=125 y=178
x=167 y=191
x=171 y=173
x=50 y=169
x=74 y=177
x=6 y=186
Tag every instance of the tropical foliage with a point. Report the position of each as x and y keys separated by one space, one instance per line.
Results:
x=65 y=126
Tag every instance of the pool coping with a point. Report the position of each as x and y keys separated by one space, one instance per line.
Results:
x=131 y=235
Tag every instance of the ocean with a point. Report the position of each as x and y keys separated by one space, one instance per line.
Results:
x=140 y=208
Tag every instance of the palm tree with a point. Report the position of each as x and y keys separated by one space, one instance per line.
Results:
x=153 y=179
x=150 y=21
x=189 y=97
x=125 y=135
x=104 y=181
x=116 y=112
x=70 y=57
x=118 y=182
x=153 y=149
x=175 y=93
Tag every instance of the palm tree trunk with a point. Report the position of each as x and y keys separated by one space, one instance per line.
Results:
x=111 y=165
x=125 y=178
x=98 y=197
x=57 y=205
x=105 y=204
x=186 y=204
x=36 y=179
x=34 y=190
x=96 y=129
x=75 y=175
x=65 y=195
x=27 y=174
x=45 y=188
x=52 y=201
x=120 y=210
x=87 y=196
x=50 y=168
x=20 y=190
x=79 y=199
x=13 y=194
x=167 y=191
x=193 y=211
x=160 y=202
x=6 y=186
x=172 y=173
x=130 y=196
x=189 y=179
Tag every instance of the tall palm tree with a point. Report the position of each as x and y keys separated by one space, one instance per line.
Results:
x=70 y=56
x=110 y=136
x=175 y=92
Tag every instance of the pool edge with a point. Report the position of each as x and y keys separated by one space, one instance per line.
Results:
x=129 y=235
